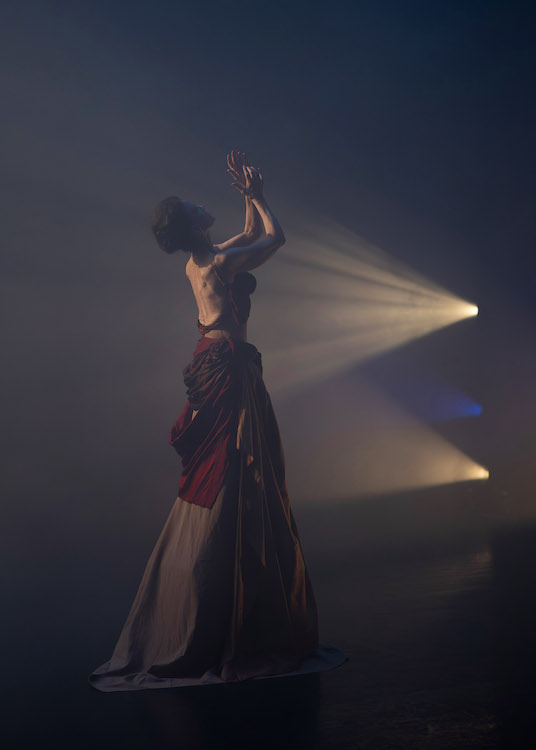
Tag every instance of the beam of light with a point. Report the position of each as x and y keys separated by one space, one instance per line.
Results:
x=345 y=301
x=350 y=439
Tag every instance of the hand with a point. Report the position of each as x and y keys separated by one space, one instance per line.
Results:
x=248 y=180
x=252 y=185
x=236 y=161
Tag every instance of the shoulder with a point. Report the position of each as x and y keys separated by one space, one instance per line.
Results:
x=223 y=267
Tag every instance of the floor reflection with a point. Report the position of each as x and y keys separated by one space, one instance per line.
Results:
x=430 y=597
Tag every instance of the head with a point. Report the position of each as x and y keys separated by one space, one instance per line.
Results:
x=180 y=225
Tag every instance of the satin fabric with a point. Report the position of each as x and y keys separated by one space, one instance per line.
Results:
x=175 y=632
x=216 y=385
x=226 y=594
x=274 y=617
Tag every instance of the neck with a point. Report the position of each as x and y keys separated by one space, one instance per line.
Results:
x=202 y=257
x=204 y=251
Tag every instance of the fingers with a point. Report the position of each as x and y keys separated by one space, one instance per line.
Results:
x=231 y=160
x=237 y=159
x=240 y=187
x=237 y=162
x=251 y=172
x=252 y=184
x=247 y=179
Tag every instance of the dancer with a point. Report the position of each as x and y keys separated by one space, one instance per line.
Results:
x=226 y=593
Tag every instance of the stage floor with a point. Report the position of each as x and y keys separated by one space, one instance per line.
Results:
x=429 y=593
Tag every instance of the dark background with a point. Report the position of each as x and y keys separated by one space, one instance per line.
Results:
x=409 y=123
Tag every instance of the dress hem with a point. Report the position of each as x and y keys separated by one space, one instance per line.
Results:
x=323 y=659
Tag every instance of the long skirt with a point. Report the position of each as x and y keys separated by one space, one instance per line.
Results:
x=226 y=595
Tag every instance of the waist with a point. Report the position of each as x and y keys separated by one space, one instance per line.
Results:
x=223 y=328
x=231 y=345
x=233 y=320
x=225 y=333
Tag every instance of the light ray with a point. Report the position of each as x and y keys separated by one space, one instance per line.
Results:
x=345 y=301
x=364 y=443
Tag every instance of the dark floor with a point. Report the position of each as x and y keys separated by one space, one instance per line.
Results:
x=431 y=595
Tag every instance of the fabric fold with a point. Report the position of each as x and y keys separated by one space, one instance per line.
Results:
x=214 y=381
x=226 y=593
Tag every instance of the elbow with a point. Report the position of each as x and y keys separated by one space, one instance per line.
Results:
x=276 y=239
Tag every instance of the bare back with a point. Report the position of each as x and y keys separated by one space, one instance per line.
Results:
x=211 y=297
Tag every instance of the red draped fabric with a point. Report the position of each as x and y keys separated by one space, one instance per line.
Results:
x=274 y=620
x=205 y=443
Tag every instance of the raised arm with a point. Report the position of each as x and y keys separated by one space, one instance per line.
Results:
x=252 y=229
x=245 y=258
x=253 y=225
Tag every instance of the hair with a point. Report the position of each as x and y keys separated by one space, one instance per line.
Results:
x=170 y=224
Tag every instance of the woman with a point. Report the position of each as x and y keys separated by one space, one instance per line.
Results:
x=225 y=595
